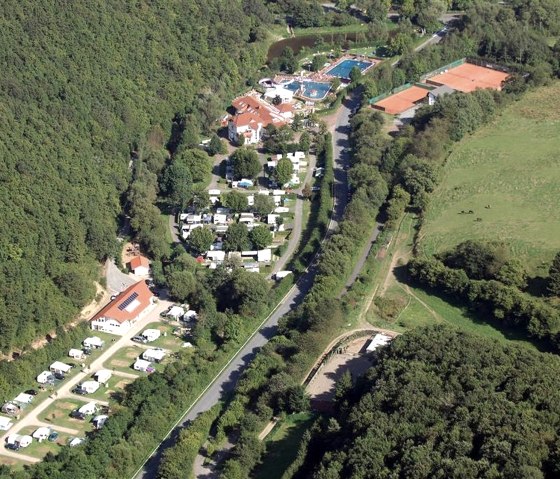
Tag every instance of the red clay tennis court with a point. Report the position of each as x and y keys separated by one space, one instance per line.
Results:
x=402 y=101
x=468 y=77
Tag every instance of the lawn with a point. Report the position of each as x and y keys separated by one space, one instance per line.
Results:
x=124 y=358
x=167 y=340
x=58 y=413
x=282 y=445
x=508 y=174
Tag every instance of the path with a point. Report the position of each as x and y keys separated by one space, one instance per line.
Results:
x=33 y=417
x=226 y=379
x=295 y=234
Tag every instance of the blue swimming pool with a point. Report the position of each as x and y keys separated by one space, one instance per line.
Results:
x=343 y=69
x=312 y=90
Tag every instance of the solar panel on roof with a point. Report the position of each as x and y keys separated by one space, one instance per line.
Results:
x=127 y=301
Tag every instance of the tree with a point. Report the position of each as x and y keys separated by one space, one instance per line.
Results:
x=200 y=240
x=554 y=276
x=278 y=138
x=197 y=162
x=318 y=62
x=287 y=61
x=181 y=284
x=260 y=236
x=177 y=184
x=216 y=146
x=283 y=171
x=305 y=142
x=245 y=163
x=355 y=75
x=237 y=237
x=249 y=292
x=263 y=205
x=236 y=201
x=277 y=100
x=306 y=191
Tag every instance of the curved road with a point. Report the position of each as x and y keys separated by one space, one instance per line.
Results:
x=225 y=382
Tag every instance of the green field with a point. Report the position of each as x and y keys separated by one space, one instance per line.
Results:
x=513 y=166
x=282 y=445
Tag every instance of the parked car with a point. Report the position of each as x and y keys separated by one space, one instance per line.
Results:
x=139 y=339
x=77 y=415
x=13 y=447
x=53 y=436
x=32 y=392
x=79 y=390
x=59 y=376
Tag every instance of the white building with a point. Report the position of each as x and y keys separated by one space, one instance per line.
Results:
x=42 y=433
x=119 y=315
x=140 y=266
x=45 y=377
x=175 y=312
x=377 y=341
x=5 y=423
x=93 y=342
x=89 y=387
x=99 y=421
x=285 y=95
x=24 y=399
x=218 y=256
x=88 y=409
x=19 y=440
x=76 y=441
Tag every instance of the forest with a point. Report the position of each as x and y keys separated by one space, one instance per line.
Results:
x=86 y=87
x=442 y=403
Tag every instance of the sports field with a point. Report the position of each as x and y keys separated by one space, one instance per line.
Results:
x=468 y=77
x=508 y=175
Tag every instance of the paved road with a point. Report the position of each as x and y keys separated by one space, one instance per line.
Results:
x=117 y=281
x=226 y=380
x=65 y=390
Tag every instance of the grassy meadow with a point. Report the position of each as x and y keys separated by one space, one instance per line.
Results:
x=511 y=165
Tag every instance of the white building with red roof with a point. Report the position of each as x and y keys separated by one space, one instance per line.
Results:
x=252 y=115
x=119 y=315
x=139 y=265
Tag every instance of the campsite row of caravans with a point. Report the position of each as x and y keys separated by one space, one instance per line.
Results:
x=144 y=362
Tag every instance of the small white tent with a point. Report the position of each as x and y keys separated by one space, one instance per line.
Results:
x=76 y=441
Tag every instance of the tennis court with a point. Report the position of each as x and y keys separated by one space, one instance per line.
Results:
x=402 y=100
x=468 y=77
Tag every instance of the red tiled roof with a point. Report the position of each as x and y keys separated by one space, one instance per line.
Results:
x=127 y=305
x=285 y=107
x=138 y=261
x=250 y=112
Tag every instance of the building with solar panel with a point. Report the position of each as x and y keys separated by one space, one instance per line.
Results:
x=119 y=315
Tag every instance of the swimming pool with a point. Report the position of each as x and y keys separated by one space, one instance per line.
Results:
x=312 y=90
x=343 y=69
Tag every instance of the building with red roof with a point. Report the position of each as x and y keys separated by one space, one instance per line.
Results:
x=118 y=316
x=252 y=115
x=139 y=265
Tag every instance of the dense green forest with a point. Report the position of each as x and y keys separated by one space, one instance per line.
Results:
x=84 y=85
x=441 y=403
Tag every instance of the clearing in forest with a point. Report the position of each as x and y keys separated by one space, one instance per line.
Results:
x=508 y=175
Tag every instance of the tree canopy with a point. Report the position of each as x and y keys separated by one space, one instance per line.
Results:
x=245 y=163
x=444 y=403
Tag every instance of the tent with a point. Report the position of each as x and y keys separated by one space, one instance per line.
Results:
x=141 y=365
x=176 y=312
x=23 y=398
x=76 y=441
x=5 y=423
x=93 y=342
x=59 y=367
x=88 y=408
x=155 y=355
x=99 y=421
x=151 y=334
x=10 y=408
x=89 y=386
x=102 y=376
x=377 y=341
x=45 y=377
x=42 y=433
x=76 y=354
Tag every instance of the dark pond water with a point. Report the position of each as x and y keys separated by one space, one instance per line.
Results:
x=307 y=41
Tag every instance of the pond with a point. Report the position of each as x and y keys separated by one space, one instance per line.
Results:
x=308 y=41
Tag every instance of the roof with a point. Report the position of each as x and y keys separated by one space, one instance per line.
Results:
x=24 y=398
x=402 y=100
x=127 y=305
x=250 y=111
x=60 y=366
x=158 y=354
x=468 y=77
x=441 y=90
x=138 y=261
x=5 y=422
x=141 y=363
